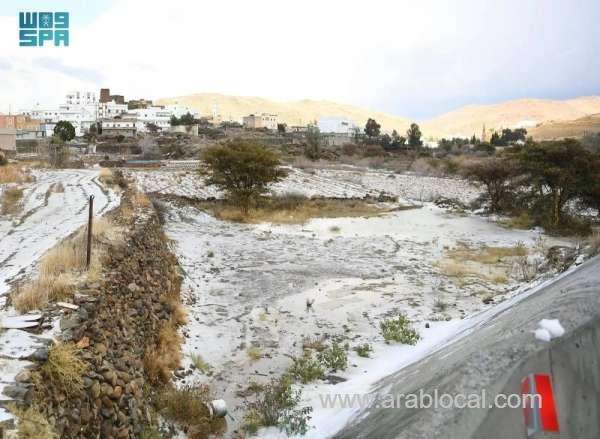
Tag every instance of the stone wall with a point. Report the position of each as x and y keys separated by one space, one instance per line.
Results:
x=118 y=320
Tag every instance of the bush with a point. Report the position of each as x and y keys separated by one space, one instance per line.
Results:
x=3 y=159
x=334 y=357
x=33 y=424
x=306 y=368
x=277 y=406
x=10 y=201
x=399 y=329
x=364 y=350
x=64 y=368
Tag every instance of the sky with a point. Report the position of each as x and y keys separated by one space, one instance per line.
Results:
x=410 y=58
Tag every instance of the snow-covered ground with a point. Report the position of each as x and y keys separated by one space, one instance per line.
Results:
x=47 y=216
x=348 y=182
x=248 y=285
x=53 y=207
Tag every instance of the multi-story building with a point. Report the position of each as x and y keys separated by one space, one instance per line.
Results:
x=158 y=116
x=119 y=126
x=81 y=98
x=110 y=109
x=264 y=120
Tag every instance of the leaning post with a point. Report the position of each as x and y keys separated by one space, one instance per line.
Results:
x=89 y=234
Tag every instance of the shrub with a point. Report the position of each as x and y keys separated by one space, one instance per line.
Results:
x=10 y=202
x=277 y=406
x=254 y=353
x=3 y=159
x=32 y=424
x=364 y=350
x=64 y=368
x=399 y=329
x=243 y=170
x=188 y=407
x=306 y=368
x=334 y=357
x=162 y=359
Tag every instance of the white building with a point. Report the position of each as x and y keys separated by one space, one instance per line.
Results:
x=264 y=120
x=336 y=125
x=108 y=110
x=159 y=116
x=120 y=126
x=81 y=98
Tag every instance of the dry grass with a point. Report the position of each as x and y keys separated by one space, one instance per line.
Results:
x=316 y=343
x=452 y=268
x=297 y=212
x=141 y=199
x=187 y=407
x=486 y=254
x=11 y=200
x=64 y=368
x=33 y=424
x=13 y=174
x=36 y=295
x=62 y=267
x=254 y=353
x=162 y=359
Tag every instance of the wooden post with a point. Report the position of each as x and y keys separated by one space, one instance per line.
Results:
x=89 y=234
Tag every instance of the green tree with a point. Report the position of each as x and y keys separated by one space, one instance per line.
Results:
x=281 y=128
x=495 y=174
x=558 y=170
x=242 y=169
x=414 y=136
x=372 y=129
x=312 y=150
x=65 y=130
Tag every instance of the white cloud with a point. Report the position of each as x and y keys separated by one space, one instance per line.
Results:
x=400 y=56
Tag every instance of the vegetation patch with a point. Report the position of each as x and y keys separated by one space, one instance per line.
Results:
x=400 y=330
x=188 y=408
x=64 y=369
x=306 y=368
x=277 y=406
x=33 y=424
x=294 y=209
x=334 y=357
x=10 y=203
x=162 y=359
x=364 y=350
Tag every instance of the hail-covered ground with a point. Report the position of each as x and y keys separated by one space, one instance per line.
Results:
x=54 y=205
x=248 y=287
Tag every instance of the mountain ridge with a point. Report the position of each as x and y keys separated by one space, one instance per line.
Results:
x=463 y=121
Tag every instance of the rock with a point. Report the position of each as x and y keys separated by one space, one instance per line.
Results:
x=83 y=343
x=334 y=379
x=40 y=354
x=95 y=390
x=24 y=376
x=70 y=322
x=15 y=392
x=100 y=348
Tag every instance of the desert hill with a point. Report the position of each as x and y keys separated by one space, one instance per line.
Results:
x=568 y=128
x=543 y=118
x=526 y=113
x=292 y=113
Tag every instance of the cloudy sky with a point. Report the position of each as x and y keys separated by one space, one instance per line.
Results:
x=411 y=58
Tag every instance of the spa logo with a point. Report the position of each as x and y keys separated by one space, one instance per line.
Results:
x=38 y=28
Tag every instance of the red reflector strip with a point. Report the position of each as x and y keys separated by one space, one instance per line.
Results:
x=548 y=416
